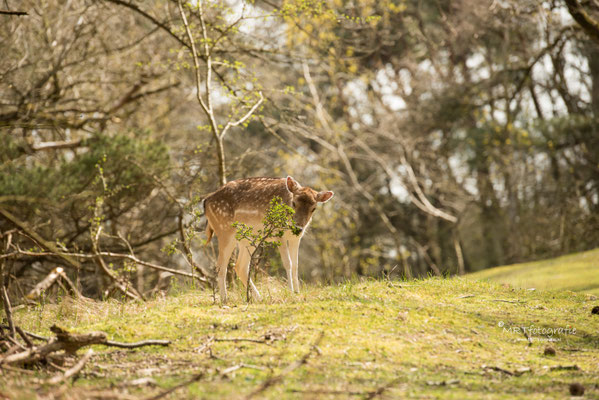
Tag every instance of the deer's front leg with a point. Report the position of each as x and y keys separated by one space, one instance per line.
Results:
x=243 y=268
x=284 y=251
x=293 y=246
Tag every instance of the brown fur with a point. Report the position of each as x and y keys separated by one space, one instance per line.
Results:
x=246 y=201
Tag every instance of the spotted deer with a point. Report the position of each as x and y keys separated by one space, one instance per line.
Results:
x=246 y=201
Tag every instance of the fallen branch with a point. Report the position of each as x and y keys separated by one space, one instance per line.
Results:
x=24 y=336
x=44 y=284
x=65 y=144
x=74 y=370
x=273 y=380
x=9 y=12
x=70 y=343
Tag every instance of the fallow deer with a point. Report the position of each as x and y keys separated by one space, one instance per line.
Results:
x=246 y=201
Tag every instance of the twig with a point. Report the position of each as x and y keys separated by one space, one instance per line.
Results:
x=56 y=145
x=498 y=369
x=24 y=336
x=73 y=370
x=564 y=367
x=273 y=380
x=526 y=335
x=263 y=341
x=380 y=390
x=330 y=392
x=127 y=289
x=73 y=287
x=230 y=369
x=38 y=239
x=105 y=254
x=33 y=335
x=4 y=284
x=19 y=370
x=136 y=344
x=234 y=368
x=171 y=390
x=245 y=117
x=6 y=301
x=508 y=301
x=17 y=13
x=16 y=345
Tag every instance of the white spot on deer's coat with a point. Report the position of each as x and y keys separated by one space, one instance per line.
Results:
x=248 y=211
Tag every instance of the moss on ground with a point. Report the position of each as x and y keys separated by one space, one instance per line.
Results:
x=433 y=338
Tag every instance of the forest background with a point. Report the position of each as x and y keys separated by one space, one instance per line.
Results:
x=456 y=135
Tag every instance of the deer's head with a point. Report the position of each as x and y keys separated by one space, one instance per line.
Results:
x=304 y=201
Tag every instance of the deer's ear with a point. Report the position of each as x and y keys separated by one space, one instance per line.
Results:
x=323 y=197
x=292 y=185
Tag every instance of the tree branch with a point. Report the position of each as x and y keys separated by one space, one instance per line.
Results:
x=71 y=144
x=206 y=105
x=590 y=25
x=161 y=25
x=245 y=117
x=104 y=254
x=17 y=13
x=73 y=370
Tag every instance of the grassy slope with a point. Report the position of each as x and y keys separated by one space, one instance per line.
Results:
x=577 y=272
x=411 y=336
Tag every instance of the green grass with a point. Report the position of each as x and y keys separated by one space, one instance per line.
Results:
x=433 y=338
x=576 y=272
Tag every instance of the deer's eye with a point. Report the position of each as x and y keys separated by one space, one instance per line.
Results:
x=313 y=209
x=293 y=203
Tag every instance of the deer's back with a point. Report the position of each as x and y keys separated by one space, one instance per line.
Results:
x=245 y=200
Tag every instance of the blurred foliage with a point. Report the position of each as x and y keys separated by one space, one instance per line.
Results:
x=72 y=176
x=457 y=135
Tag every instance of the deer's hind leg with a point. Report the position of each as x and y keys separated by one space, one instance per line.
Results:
x=226 y=245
